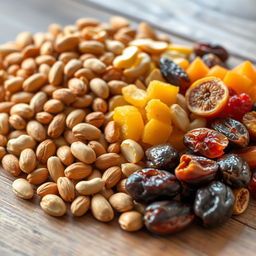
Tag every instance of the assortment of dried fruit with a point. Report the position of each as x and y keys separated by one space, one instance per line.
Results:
x=99 y=117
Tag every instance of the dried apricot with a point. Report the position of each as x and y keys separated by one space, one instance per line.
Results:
x=217 y=71
x=134 y=95
x=207 y=97
x=249 y=120
x=206 y=142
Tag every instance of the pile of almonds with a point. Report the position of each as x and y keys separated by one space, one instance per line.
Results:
x=57 y=95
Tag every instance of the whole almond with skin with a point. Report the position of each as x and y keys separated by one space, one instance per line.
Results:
x=23 y=110
x=95 y=118
x=71 y=67
x=90 y=187
x=95 y=65
x=78 y=171
x=84 y=131
x=80 y=205
x=107 y=192
x=97 y=147
x=75 y=117
x=82 y=101
x=83 y=152
x=112 y=176
x=99 y=87
x=120 y=186
x=44 y=117
x=22 y=188
x=53 y=106
x=36 y=130
x=17 y=122
x=34 y=82
x=4 y=123
x=66 y=43
x=129 y=168
x=27 y=161
x=65 y=155
x=3 y=140
x=65 y=95
x=55 y=168
x=101 y=208
x=112 y=132
x=114 y=148
x=131 y=221
x=53 y=205
x=66 y=189
x=121 y=202
x=69 y=137
x=92 y=46
x=38 y=101
x=24 y=39
x=116 y=86
x=22 y=97
x=13 y=84
x=60 y=141
x=57 y=126
x=56 y=73
x=6 y=106
x=45 y=150
x=15 y=146
x=107 y=160
x=77 y=86
x=47 y=188
x=11 y=164
x=38 y=176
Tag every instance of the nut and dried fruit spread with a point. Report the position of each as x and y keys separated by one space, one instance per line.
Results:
x=106 y=118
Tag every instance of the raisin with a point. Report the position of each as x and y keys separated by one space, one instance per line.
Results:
x=214 y=204
x=249 y=120
x=200 y=49
x=237 y=106
x=252 y=185
x=174 y=74
x=211 y=60
x=146 y=185
x=235 y=131
x=196 y=170
x=234 y=171
x=206 y=142
x=163 y=156
x=168 y=217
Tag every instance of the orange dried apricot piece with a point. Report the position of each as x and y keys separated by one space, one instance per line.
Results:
x=197 y=69
x=130 y=120
x=156 y=132
x=247 y=69
x=155 y=109
x=207 y=97
x=217 y=71
x=134 y=95
x=182 y=62
x=239 y=83
x=165 y=92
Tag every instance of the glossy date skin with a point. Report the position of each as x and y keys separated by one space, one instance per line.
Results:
x=168 y=217
x=214 y=204
x=163 y=157
x=235 y=131
x=149 y=184
x=234 y=171
x=196 y=170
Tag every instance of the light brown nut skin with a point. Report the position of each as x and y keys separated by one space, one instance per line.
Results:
x=80 y=205
x=22 y=188
x=131 y=221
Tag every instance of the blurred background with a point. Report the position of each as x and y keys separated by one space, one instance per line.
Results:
x=229 y=22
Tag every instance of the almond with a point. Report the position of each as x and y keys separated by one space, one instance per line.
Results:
x=27 y=161
x=131 y=221
x=95 y=65
x=23 y=110
x=47 y=188
x=11 y=164
x=97 y=147
x=13 y=84
x=75 y=117
x=77 y=86
x=44 y=117
x=4 y=124
x=80 y=205
x=55 y=168
x=107 y=160
x=38 y=101
x=84 y=131
x=17 y=122
x=66 y=189
x=121 y=202
x=112 y=176
x=99 y=87
x=22 y=188
x=112 y=132
x=65 y=155
x=36 y=130
x=57 y=126
x=53 y=205
x=34 y=82
x=65 y=95
x=95 y=118
x=53 y=106
x=83 y=152
x=45 y=150
x=78 y=171
x=55 y=75
x=71 y=67
x=66 y=43
x=38 y=176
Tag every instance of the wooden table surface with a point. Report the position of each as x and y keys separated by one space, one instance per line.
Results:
x=25 y=230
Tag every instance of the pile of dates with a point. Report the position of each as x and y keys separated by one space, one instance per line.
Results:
x=208 y=182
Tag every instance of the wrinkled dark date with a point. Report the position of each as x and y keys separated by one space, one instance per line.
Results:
x=163 y=156
x=147 y=185
x=200 y=49
x=167 y=217
x=196 y=170
x=252 y=185
x=214 y=204
x=234 y=171
x=206 y=142
x=235 y=131
x=211 y=60
x=188 y=193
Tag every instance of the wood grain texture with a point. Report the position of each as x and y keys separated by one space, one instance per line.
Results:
x=25 y=230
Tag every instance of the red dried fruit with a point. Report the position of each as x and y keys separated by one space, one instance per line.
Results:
x=237 y=106
x=249 y=120
x=174 y=74
x=206 y=142
x=252 y=185
x=200 y=49
x=196 y=169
